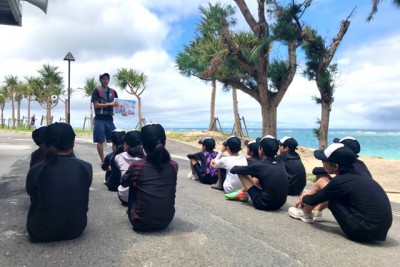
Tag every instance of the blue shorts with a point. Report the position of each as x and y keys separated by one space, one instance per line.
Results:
x=102 y=131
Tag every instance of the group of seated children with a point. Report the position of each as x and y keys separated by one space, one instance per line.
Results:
x=58 y=182
x=358 y=203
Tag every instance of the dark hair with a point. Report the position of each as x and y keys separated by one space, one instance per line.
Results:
x=58 y=137
x=158 y=156
x=136 y=151
x=153 y=140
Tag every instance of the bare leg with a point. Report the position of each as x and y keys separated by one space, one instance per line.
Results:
x=100 y=150
x=192 y=162
x=318 y=185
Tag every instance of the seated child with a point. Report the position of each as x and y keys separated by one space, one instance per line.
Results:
x=269 y=190
x=358 y=203
x=113 y=175
x=200 y=162
x=59 y=189
x=133 y=152
x=232 y=146
x=296 y=173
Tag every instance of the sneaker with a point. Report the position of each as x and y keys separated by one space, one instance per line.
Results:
x=242 y=196
x=317 y=216
x=217 y=186
x=233 y=195
x=192 y=176
x=298 y=214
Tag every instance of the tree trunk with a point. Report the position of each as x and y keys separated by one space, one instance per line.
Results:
x=139 y=111
x=324 y=124
x=91 y=116
x=18 y=113
x=212 y=126
x=29 y=113
x=238 y=126
x=12 y=111
x=48 y=111
x=269 y=115
x=2 y=117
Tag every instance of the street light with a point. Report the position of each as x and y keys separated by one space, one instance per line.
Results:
x=69 y=57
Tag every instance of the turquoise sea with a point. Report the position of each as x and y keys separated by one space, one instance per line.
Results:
x=374 y=143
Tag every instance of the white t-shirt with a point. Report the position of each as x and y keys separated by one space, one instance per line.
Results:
x=232 y=181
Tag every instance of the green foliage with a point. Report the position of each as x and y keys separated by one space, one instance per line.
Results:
x=278 y=70
x=132 y=81
x=286 y=27
x=90 y=85
x=48 y=84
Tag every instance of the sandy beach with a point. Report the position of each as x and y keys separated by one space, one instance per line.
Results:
x=384 y=171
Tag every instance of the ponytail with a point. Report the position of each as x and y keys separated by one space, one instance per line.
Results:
x=158 y=156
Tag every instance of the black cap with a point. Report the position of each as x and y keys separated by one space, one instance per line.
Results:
x=290 y=142
x=104 y=75
x=336 y=153
x=253 y=145
x=319 y=171
x=233 y=143
x=117 y=136
x=270 y=145
x=38 y=135
x=208 y=142
x=151 y=135
x=132 y=138
x=60 y=135
x=349 y=142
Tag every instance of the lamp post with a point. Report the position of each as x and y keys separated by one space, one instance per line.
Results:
x=69 y=57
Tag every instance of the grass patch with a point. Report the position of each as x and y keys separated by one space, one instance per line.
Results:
x=310 y=177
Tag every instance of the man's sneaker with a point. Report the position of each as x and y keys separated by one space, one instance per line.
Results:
x=217 y=186
x=232 y=196
x=298 y=214
x=243 y=196
x=317 y=216
x=192 y=176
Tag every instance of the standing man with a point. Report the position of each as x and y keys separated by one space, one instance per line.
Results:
x=103 y=102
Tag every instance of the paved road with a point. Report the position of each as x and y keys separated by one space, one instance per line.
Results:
x=207 y=229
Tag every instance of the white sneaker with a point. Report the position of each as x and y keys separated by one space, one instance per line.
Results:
x=317 y=216
x=192 y=176
x=298 y=213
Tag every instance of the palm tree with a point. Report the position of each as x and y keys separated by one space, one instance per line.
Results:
x=3 y=100
x=134 y=83
x=11 y=83
x=90 y=85
x=19 y=95
x=48 y=89
x=29 y=94
x=375 y=4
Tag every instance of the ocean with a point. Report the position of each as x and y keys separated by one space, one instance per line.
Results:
x=375 y=143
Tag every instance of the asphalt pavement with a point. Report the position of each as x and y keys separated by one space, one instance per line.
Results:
x=207 y=229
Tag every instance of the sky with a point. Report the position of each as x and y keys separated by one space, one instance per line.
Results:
x=146 y=35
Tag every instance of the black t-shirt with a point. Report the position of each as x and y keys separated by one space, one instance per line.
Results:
x=273 y=180
x=59 y=196
x=151 y=193
x=296 y=173
x=361 y=195
x=107 y=113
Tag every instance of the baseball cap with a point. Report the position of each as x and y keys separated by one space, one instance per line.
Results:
x=319 y=171
x=151 y=135
x=117 y=136
x=349 y=142
x=132 y=138
x=60 y=135
x=270 y=145
x=208 y=142
x=104 y=75
x=253 y=145
x=38 y=135
x=336 y=153
x=288 y=141
x=233 y=143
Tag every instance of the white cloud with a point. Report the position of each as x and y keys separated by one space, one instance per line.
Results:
x=104 y=36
